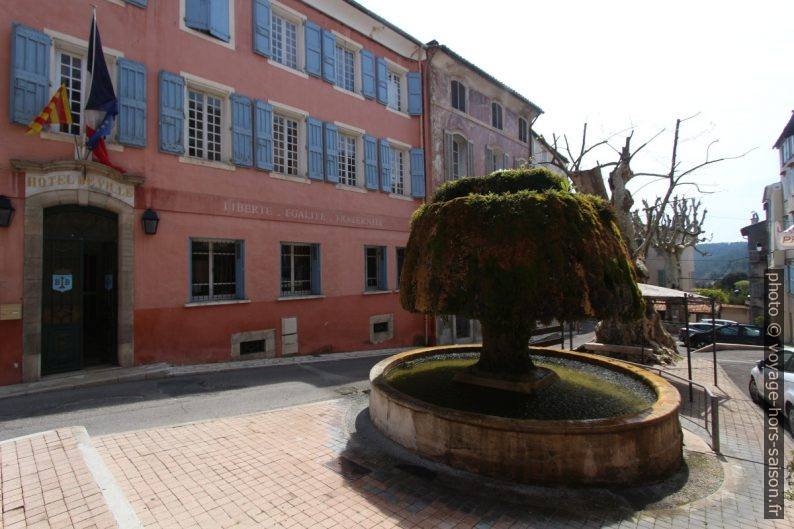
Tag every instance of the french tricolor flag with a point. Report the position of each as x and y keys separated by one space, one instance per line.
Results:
x=102 y=105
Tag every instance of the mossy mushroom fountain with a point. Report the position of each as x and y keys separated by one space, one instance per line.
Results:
x=511 y=249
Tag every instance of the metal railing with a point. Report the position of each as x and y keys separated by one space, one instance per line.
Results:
x=699 y=406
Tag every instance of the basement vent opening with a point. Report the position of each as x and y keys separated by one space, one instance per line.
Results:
x=380 y=327
x=252 y=347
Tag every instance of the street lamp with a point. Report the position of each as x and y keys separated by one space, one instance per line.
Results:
x=150 y=221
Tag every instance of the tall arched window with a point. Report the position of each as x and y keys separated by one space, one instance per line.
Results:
x=457 y=156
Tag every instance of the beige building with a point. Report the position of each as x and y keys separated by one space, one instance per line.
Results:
x=665 y=272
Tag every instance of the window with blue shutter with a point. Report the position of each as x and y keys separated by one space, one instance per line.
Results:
x=367 y=74
x=414 y=93
x=139 y=3
x=329 y=53
x=242 y=131
x=132 y=103
x=385 y=166
x=262 y=27
x=371 y=162
x=30 y=71
x=314 y=135
x=383 y=87
x=314 y=48
x=208 y=16
x=331 y=153
x=172 y=112
x=263 y=135
x=418 y=173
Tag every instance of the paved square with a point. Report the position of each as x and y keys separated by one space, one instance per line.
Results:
x=311 y=466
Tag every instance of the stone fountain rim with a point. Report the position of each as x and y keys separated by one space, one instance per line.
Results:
x=668 y=398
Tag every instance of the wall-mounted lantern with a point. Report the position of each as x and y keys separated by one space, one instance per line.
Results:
x=6 y=211
x=150 y=221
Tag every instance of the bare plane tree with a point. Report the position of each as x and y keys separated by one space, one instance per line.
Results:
x=677 y=231
x=657 y=224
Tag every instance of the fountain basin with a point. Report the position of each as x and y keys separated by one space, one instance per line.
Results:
x=632 y=448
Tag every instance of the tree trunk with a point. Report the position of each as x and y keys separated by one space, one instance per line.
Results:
x=647 y=332
x=505 y=349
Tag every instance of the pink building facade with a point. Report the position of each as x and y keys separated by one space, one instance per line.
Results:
x=280 y=146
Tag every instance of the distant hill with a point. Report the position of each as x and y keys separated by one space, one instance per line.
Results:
x=722 y=258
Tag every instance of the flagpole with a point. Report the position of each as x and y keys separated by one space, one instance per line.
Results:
x=92 y=36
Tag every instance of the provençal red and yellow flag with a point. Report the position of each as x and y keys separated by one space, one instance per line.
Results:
x=56 y=112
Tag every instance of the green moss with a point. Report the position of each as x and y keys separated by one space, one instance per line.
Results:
x=511 y=254
x=501 y=182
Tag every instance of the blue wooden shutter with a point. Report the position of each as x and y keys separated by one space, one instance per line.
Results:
x=30 y=73
x=418 y=173
x=242 y=131
x=263 y=135
x=314 y=48
x=367 y=74
x=371 y=162
x=316 y=274
x=385 y=166
x=383 y=91
x=132 y=103
x=139 y=3
x=331 y=153
x=239 y=269
x=314 y=135
x=262 y=27
x=197 y=14
x=383 y=283
x=414 y=93
x=219 y=19
x=329 y=57
x=172 y=113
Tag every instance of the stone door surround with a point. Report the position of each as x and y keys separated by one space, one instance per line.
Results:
x=83 y=183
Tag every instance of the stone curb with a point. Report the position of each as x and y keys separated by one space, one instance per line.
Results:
x=115 y=375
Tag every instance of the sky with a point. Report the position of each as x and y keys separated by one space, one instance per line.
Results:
x=639 y=65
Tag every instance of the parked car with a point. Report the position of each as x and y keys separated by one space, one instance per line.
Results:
x=718 y=321
x=734 y=333
x=757 y=384
x=693 y=328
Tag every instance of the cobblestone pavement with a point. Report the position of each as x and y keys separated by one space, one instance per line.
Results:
x=322 y=465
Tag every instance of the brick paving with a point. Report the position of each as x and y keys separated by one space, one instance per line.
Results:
x=45 y=483
x=318 y=465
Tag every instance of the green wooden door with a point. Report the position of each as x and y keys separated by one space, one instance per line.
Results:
x=79 y=301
